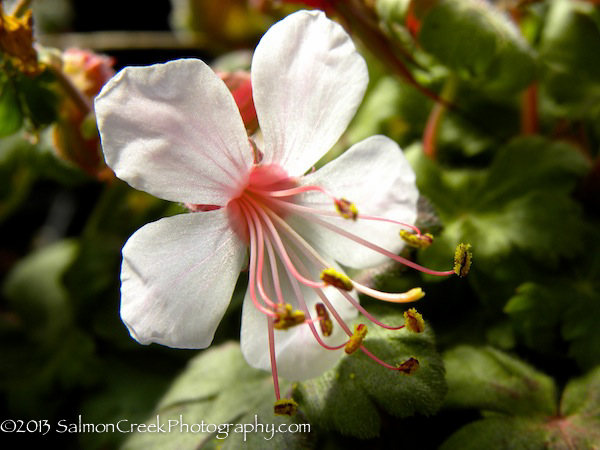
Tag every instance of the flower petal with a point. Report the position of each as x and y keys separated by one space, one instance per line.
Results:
x=299 y=356
x=308 y=80
x=177 y=278
x=174 y=130
x=375 y=175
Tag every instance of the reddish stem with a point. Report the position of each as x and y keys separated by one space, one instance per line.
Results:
x=529 y=112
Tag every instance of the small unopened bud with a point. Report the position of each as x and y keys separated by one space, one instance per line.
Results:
x=241 y=88
x=324 y=320
x=414 y=321
x=463 y=258
x=416 y=240
x=356 y=340
x=408 y=367
x=287 y=317
x=337 y=279
x=87 y=70
x=346 y=208
x=285 y=407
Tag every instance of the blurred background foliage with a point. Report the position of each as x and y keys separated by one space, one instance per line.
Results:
x=497 y=106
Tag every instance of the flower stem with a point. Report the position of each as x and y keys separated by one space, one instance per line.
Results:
x=529 y=112
x=436 y=116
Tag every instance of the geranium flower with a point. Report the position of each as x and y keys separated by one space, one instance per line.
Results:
x=174 y=130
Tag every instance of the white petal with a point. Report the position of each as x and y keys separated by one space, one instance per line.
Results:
x=307 y=80
x=174 y=130
x=299 y=355
x=375 y=175
x=177 y=278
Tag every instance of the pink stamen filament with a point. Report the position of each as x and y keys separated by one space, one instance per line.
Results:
x=252 y=274
x=303 y=210
x=349 y=333
x=307 y=210
x=274 y=272
x=381 y=250
x=366 y=313
x=273 y=358
x=309 y=252
x=264 y=228
x=304 y=307
x=259 y=232
x=279 y=245
x=299 y=297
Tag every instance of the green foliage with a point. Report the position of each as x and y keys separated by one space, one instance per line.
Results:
x=48 y=314
x=218 y=387
x=469 y=37
x=563 y=307
x=491 y=380
x=570 y=45
x=43 y=347
x=348 y=397
x=525 y=412
x=26 y=99
x=11 y=118
x=521 y=203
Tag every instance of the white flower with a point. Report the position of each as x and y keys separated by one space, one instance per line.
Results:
x=173 y=130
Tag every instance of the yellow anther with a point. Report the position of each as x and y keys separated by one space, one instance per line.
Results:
x=324 y=320
x=285 y=407
x=413 y=321
x=416 y=240
x=463 y=258
x=346 y=208
x=287 y=317
x=356 y=340
x=408 y=367
x=336 y=279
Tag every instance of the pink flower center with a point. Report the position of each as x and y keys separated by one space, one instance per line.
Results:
x=263 y=181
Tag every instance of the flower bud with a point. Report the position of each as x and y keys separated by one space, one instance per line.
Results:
x=241 y=88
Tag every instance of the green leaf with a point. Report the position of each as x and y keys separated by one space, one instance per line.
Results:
x=490 y=380
x=40 y=101
x=11 y=118
x=477 y=41
x=217 y=388
x=16 y=177
x=522 y=202
x=127 y=392
x=582 y=396
x=531 y=165
x=569 y=46
x=562 y=308
x=36 y=291
x=576 y=426
x=348 y=397
x=503 y=433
